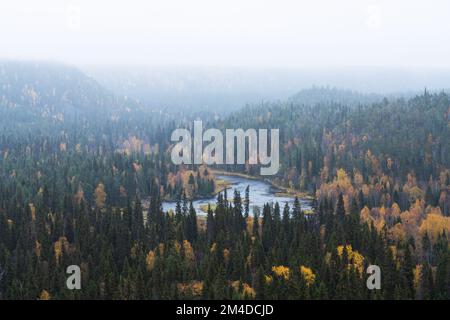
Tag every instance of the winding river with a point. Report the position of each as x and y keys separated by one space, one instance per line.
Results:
x=261 y=192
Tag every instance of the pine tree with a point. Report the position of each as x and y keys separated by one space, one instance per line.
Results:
x=340 y=209
x=247 y=202
x=210 y=226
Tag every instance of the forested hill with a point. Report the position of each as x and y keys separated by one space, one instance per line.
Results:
x=391 y=152
x=54 y=91
x=391 y=137
x=317 y=95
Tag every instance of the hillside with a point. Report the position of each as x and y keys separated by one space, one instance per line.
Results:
x=317 y=95
x=54 y=91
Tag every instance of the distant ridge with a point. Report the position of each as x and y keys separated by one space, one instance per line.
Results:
x=54 y=90
x=317 y=95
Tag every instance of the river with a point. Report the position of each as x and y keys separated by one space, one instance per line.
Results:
x=261 y=192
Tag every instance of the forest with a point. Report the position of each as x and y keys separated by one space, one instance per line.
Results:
x=84 y=172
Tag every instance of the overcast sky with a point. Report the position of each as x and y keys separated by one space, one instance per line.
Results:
x=269 y=33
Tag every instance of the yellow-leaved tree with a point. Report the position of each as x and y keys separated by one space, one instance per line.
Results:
x=355 y=259
x=44 y=295
x=150 y=260
x=189 y=255
x=281 y=271
x=192 y=288
x=59 y=246
x=308 y=275
x=244 y=290
x=434 y=225
x=100 y=196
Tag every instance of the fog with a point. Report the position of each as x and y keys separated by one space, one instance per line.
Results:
x=251 y=33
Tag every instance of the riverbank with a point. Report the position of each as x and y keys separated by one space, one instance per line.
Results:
x=261 y=192
x=279 y=190
x=219 y=186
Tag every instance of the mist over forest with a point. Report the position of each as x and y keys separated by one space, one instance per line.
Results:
x=87 y=179
x=225 y=150
x=230 y=88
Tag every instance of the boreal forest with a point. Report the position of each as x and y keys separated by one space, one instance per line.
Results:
x=85 y=174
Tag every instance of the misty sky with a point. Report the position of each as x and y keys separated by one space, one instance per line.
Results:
x=275 y=33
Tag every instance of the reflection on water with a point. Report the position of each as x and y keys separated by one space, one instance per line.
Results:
x=261 y=192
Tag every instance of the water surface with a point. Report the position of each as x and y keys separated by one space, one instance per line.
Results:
x=261 y=192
